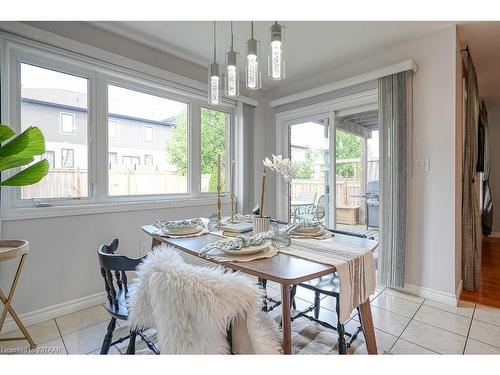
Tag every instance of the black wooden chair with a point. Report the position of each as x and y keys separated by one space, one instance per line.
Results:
x=328 y=285
x=116 y=303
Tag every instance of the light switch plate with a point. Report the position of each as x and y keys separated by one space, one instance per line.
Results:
x=423 y=165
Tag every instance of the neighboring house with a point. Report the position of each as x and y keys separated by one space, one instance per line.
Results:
x=62 y=116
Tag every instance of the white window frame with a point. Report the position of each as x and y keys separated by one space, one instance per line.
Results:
x=144 y=127
x=14 y=50
x=146 y=156
x=15 y=55
x=116 y=155
x=151 y=88
x=62 y=157
x=117 y=128
x=229 y=154
x=46 y=153
x=73 y=130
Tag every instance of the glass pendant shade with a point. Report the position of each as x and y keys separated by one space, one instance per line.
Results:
x=252 y=71
x=214 y=84
x=276 y=56
x=232 y=81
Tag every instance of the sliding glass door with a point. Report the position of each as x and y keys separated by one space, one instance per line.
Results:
x=335 y=161
x=309 y=150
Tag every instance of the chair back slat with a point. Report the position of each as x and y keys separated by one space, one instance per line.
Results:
x=118 y=279
x=124 y=280
x=111 y=288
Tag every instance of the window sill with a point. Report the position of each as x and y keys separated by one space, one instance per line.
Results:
x=101 y=208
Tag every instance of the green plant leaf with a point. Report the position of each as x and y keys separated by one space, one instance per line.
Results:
x=5 y=133
x=27 y=144
x=13 y=161
x=28 y=176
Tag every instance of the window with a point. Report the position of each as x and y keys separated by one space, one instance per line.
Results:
x=113 y=129
x=43 y=93
x=148 y=159
x=148 y=145
x=67 y=158
x=131 y=160
x=67 y=123
x=169 y=141
x=148 y=134
x=213 y=143
x=112 y=158
x=51 y=158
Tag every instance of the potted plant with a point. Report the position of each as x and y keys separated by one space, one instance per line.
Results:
x=21 y=151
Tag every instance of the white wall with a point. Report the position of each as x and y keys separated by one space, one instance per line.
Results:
x=431 y=197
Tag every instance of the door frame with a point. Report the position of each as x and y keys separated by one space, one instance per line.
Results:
x=360 y=102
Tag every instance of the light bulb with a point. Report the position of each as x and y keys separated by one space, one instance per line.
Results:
x=276 y=59
x=231 y=81
x=252 y=71
x=214 y=90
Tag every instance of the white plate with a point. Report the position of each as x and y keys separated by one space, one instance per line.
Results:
x=182 y=231
x=310 y=235
x=249 y=250
x=307 y=230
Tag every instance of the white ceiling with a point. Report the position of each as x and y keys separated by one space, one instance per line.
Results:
x=311 y=46
x=483 y=39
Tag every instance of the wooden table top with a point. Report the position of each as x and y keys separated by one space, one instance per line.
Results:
x=282 y=268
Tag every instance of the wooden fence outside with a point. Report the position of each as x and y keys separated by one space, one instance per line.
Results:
x=348 y=191
x=123 y=180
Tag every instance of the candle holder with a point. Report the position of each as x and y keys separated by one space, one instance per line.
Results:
x=233 y=206
x=219 y=203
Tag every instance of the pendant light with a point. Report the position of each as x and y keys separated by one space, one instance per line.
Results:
x=253 y=79
x=214 y=81
x=232 y=79
x=276 y=58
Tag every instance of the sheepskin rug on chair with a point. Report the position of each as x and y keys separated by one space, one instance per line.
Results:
x=191 y=308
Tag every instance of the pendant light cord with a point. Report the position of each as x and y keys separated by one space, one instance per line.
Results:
x=232 y=38
x=214 y=41
x=252 y=29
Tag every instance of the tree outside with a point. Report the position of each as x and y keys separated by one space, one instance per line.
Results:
x=213 y=142
x=347 y=146
x=303 y=170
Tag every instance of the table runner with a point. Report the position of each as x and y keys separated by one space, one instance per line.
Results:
x=355 y=268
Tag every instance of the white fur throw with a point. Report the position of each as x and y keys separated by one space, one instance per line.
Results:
x=191 y=307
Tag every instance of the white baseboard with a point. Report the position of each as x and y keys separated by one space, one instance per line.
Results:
x=55 y=311
x=432 y=294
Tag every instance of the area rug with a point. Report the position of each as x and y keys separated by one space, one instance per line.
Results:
x=307 y=338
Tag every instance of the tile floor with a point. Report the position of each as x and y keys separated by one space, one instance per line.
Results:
x=405 y=324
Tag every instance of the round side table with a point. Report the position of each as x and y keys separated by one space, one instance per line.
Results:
x=11 y=249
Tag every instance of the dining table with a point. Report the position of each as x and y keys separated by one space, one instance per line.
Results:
x=284 y=269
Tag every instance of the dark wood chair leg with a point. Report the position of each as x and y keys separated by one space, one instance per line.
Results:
x=340 y=329
x=131 y=343
x=109 y=336
x=317 y=304
x=263 y=284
